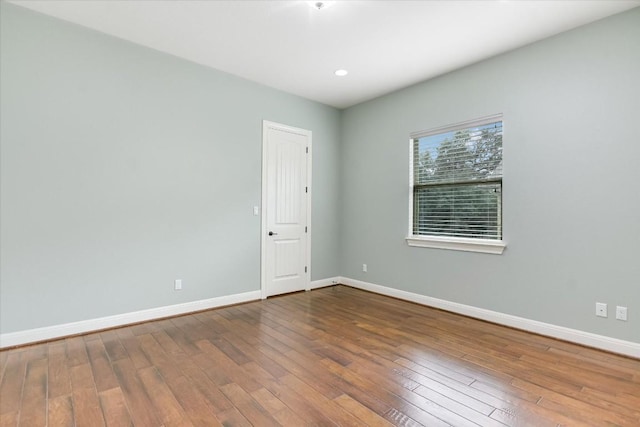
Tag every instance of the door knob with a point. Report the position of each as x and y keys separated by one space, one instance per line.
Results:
x=271 y=233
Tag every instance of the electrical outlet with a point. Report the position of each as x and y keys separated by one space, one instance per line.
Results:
x=177 y=285
x=364 y=267
x=621 y=313
x=601 y=309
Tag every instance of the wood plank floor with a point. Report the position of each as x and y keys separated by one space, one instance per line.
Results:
x=333 y=356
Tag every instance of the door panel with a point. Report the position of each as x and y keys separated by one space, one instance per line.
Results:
x=288 y=197
x=287 y=258
x=285 y=209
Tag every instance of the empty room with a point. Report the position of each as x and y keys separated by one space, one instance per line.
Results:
x=315 y=213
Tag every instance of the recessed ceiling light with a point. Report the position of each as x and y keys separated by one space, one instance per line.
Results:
x=341 y=73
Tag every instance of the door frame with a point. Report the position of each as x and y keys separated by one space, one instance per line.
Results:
x=266 y=125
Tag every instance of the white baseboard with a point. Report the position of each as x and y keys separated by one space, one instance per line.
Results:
x=614 y=345
x=322 y=283
x=58 y=331
x=602 y=342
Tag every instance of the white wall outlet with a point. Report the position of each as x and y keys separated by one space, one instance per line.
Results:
x=177 y=285
x=364 y=267
x=601 y=309
x=621 y=313
x=256 y=210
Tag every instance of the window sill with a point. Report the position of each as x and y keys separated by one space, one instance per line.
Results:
x=486 y=246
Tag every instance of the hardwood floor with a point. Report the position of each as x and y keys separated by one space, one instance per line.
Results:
x=333 y=356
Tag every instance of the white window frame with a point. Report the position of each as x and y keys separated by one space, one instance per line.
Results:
x=489 y=246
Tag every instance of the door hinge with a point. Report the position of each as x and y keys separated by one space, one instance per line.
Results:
x=305 y=268
x=307 y=149
x=306 y=189
x=305 y=228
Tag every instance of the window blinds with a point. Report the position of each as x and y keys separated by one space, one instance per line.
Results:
x=457 y=180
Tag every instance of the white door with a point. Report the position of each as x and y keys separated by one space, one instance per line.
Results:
x=286 y=202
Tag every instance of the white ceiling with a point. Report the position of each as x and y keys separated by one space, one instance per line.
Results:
x=291 y=46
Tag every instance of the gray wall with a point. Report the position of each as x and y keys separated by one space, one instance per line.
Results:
x=124 y=168
x=571 y=194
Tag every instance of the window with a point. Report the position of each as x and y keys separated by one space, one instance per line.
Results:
x=456 y=181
